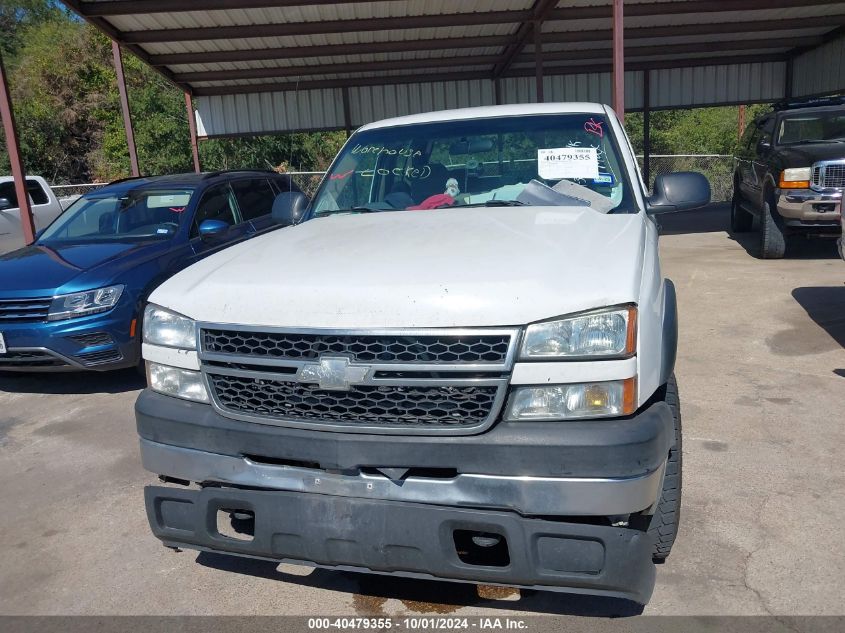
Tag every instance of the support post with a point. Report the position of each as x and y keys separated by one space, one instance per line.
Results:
x=740 y=123
x=497 y=90
x=192 y=126
x=124 y=106
x=538 y=59
x=619 y=60
x=647 y=128
x=14 y=150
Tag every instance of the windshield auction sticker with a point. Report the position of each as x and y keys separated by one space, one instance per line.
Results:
x=568 y=162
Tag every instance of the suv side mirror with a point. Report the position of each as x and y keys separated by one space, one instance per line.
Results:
x=5 y=203
x=763 y=146
x=679 y=191
x=289 y=207
x=211 y=230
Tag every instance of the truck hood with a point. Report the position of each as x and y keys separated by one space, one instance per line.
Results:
x=467 y=267
x=807 y=154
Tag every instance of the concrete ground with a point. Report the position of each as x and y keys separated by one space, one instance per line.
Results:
x=762 y=377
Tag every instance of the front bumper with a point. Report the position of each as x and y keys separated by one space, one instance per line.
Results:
x=408 y=539
x=334 y=499
x=807 y=208
x=97 y=342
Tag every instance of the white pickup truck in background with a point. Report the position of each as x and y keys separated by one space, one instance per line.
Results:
x=458 y=364
x=45 y=208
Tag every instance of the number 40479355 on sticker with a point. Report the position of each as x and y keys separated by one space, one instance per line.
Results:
x=568 y=162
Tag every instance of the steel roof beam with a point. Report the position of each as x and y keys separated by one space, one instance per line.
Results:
x=470 y=75
x=540 y=11
x=329 y=50
x=134 y=7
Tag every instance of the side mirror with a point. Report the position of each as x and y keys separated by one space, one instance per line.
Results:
x=211 y=230
x=5 y=203
x=679 y=191
x=763 y=146
x=289 y=207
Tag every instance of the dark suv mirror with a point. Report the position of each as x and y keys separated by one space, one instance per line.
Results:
x=211 y=230
x=679 y=191
x=763 y=146
x=289 y=207
x=5 y=203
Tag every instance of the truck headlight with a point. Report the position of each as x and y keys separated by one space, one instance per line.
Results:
x=607 y=333
x=795 y=178
x=567 y=402
x=174 y=381
x=84 y=303
x=166 y=328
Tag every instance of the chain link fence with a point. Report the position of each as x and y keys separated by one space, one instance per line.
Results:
x=718 y=168
x=308 y=181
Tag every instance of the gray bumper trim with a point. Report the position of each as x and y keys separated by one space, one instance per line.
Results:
x=539 y=496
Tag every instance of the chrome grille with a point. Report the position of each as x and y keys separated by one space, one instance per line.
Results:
x=392 y=405
x=829 y=175
x=360 y=348
x=24 y=310
x=446 y=381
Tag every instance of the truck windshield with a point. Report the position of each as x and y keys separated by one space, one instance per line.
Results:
x=132 y=215
x=818 y=127
x=558 y=160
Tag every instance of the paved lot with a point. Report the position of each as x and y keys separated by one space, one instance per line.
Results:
x=762 y=378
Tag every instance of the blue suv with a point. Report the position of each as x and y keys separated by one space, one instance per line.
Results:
x=73 y=300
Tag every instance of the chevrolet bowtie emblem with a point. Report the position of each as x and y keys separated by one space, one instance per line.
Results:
x=333 y=372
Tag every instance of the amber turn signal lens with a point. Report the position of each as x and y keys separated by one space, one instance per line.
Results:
x=629 y=396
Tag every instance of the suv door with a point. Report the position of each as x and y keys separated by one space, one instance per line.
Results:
x=255 y=198
x=760 y=167
x=217 y=203
x=745 y=159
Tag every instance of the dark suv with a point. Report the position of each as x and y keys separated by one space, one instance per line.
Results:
x=790 y=172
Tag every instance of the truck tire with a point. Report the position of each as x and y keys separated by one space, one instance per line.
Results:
x=741 y=220
x=663 y=527
x=772 y=238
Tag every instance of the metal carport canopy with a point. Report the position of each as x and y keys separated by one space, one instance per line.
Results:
x=262 y=66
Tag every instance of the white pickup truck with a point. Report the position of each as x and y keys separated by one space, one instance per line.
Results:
x=45 y=208
x=458 y=364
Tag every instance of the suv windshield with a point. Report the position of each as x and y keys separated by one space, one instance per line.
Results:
x=133 y=215
x=562 y=159
x=812 y=127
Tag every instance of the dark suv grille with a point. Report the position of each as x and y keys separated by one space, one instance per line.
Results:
x=24 y=310
x=393 y=405
x=360 y=348
x=831 y=176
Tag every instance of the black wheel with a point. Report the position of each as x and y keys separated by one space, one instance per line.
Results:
x=663 y=527
x=772 y=238
x=741 y=220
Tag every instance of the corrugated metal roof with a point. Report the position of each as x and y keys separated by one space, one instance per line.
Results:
x=432 y=54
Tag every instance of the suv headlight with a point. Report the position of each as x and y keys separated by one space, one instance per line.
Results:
x=566 y=402
x=80 y=304
x=166 y=328
x=606 y=333
x=795 y=178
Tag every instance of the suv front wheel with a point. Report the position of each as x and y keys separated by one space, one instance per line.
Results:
x=772 y=238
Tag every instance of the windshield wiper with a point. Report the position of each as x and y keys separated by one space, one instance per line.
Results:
x=349 y=210
x=490 y=203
